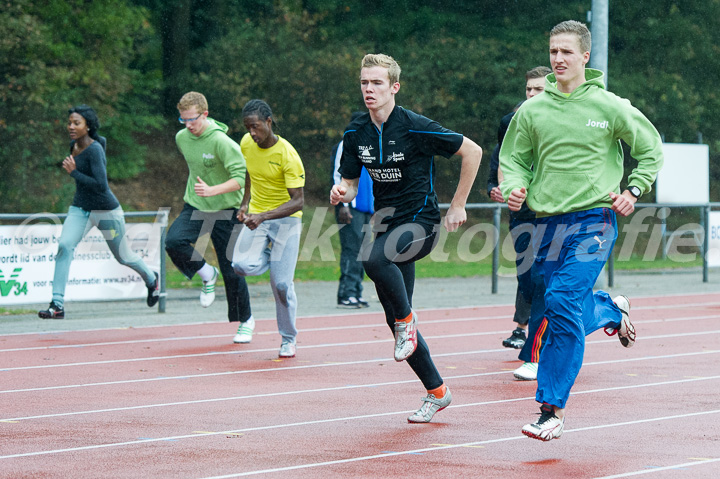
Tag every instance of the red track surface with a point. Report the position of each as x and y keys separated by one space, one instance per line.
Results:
x=182 y=402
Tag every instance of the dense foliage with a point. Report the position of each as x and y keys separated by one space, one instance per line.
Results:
x=58 y=53
x=463 y=64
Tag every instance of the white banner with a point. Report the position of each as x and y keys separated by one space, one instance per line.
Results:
x=27 y=264
x=685 y=174
x=713 y=251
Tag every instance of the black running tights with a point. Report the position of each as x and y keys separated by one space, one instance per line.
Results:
x=389 y=262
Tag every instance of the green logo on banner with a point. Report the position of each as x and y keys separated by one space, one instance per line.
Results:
x=7 y=286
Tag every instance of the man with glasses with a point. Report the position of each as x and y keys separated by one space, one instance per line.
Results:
x=213 y=193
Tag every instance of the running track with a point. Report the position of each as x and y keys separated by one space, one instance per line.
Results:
x=182 y=402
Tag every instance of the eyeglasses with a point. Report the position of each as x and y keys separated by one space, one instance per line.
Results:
x=188 y=120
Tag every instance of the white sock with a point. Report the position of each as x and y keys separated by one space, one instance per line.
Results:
x=207 y=272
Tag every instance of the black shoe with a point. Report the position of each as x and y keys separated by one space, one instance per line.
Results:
x=349 y=303
x=363 y=303
x=53 y=312
x=154 y=292
x=516 y=340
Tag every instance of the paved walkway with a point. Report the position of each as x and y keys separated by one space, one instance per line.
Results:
x=318 y=298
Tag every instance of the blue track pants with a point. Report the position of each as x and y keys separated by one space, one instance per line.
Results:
x=570 y=252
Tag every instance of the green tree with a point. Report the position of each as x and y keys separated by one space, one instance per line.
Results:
x=664 y=57
x=53 y=55
x=463 y=65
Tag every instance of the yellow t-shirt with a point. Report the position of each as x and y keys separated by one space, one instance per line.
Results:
x=272 y=171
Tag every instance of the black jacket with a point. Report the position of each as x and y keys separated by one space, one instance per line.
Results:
x=399 y=159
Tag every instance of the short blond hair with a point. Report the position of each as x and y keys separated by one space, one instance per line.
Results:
x=381 y=60
x=193 y=99
x=576 y=28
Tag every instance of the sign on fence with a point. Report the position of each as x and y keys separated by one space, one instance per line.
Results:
x=685 y=175
x=713 y=250
x=27 y=264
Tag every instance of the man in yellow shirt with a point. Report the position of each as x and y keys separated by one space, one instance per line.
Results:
x=271 y=210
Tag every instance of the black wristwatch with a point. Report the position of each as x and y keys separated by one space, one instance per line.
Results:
x=635 y=191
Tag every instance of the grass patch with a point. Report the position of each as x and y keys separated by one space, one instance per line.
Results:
x=638 y=263
x=14 y=312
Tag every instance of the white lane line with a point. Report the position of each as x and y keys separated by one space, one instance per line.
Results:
x=332 y=328
x=355 y=386
x=339 y=363
x=699 y=462
x=343 y=328
x=113 y=343
x=377 y=415
x=226 y=335
x=355 y=343
x=240 y=351
x=355 y=315
x=454 y=446
x=675 y=306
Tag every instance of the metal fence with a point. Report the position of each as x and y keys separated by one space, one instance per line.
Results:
x=703 y=210
x=162 y=216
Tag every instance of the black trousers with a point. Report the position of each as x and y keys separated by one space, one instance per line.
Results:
x=390 y=262
x=351 y=268
x=224 y=229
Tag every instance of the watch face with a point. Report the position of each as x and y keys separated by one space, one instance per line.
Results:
x=635 y=191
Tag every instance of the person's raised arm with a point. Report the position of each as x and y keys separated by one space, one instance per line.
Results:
x=471 y=155
x=203 y=189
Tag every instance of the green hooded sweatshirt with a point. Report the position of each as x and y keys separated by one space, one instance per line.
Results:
x=565 y=149
x=215 y=158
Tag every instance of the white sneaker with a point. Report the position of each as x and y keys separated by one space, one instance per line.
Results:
x=526 y=372
x=207 y=292
x=547 y=427
x=287 y=350
x=626 y=330
x=430 y=406
x=245 y=332
x=405 y=338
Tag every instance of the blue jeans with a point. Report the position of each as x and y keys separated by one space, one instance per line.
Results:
x=570 y=251
x=112 y=225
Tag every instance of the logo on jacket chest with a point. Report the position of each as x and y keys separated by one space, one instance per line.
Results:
x=395 y=157
x=597 y=124
x=385 y=175
x=208 y=160
x=365 y=155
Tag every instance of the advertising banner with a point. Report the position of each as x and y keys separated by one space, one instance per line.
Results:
x=27 y=264
x=713 y=251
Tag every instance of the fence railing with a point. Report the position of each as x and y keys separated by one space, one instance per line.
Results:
x=162 y=216
x=704 y=214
